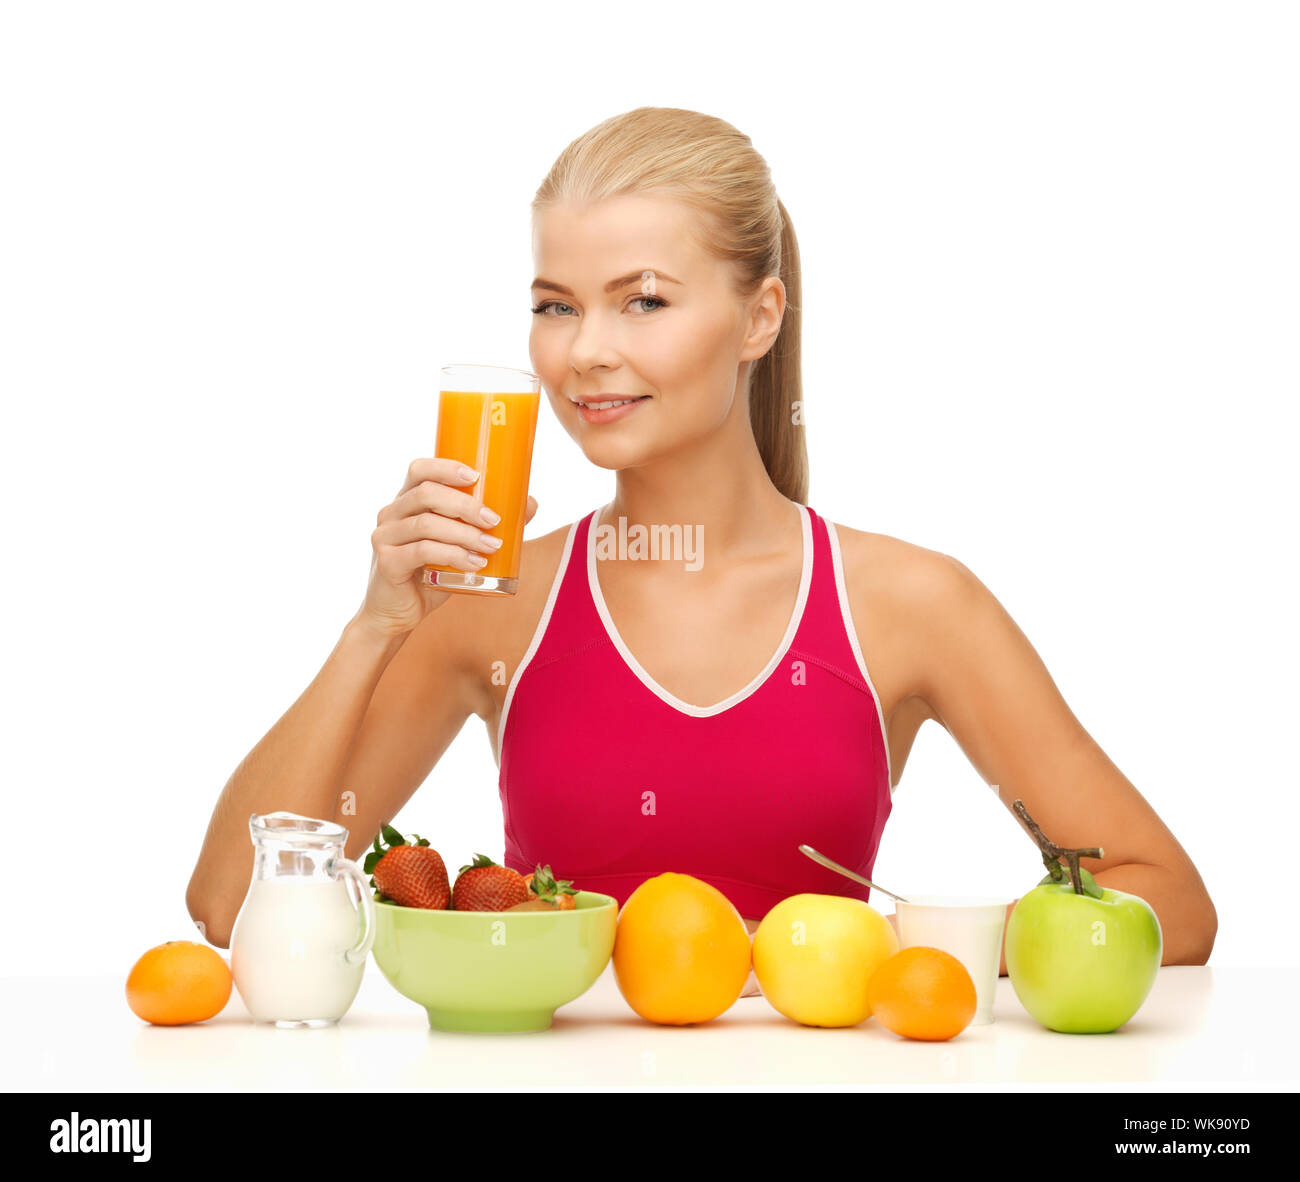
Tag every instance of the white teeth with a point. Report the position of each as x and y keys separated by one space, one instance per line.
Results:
x=605 y=405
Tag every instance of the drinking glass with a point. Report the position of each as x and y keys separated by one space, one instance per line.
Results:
x=487 y=419
x=966 y=927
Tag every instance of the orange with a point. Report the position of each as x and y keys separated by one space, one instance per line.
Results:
x=923 y=993
x=178 y=982
x=681 y=950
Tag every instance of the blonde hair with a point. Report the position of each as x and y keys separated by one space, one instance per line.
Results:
x=712 y=167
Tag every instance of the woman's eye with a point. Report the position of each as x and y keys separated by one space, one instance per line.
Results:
x=541 y=309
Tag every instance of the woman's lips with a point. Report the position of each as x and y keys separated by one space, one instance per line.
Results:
x=610 y=415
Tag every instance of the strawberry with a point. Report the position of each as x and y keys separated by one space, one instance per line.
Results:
x=485 y=886
x=408 y=874
x=559 y=894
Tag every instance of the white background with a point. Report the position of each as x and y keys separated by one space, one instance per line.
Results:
x=1050 y=256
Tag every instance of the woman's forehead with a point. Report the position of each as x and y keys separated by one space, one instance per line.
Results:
x=597 y=243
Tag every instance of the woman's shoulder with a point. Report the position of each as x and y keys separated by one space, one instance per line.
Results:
x=900 y=594
x=480 y=632
x=496 y=619
x=887 y=570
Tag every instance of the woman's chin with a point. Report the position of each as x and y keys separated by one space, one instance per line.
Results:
x=612 y=458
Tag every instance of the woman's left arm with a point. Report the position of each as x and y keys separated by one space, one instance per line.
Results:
x=986 y=685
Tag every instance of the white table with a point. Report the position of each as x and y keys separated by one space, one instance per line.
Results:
x=1202 y=1028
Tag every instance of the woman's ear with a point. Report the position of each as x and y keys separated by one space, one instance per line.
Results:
x=767 y=312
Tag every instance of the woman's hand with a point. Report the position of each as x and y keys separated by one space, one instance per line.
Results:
x=429 y=522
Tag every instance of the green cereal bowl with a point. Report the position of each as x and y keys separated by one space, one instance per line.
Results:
x=495 y=970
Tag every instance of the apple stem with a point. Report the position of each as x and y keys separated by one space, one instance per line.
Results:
x=1053 y=853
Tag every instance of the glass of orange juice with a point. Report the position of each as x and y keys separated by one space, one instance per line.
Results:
x=487 y=419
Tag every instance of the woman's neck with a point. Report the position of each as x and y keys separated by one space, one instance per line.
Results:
x=719 y=488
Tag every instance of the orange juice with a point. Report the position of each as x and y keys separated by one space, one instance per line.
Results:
x=493 y=434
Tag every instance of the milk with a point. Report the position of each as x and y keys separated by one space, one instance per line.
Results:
x=287 y=950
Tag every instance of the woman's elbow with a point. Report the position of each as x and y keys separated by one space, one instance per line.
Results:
x=1199 y=932
x=1209 y=929
x=212 y=920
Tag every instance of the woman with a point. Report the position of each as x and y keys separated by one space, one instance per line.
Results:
x=706 y=709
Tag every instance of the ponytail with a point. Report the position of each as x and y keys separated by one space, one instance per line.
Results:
x=776 y=385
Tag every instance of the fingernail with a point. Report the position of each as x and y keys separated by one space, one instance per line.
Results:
x=488 y=516
x=468 y=473
x=490 y=542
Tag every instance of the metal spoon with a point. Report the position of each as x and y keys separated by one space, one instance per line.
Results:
x=832 y=865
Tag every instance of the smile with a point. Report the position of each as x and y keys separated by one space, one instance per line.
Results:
x=608 y=411
x=606 y=405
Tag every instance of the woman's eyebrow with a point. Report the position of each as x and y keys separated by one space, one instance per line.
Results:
x=613 y=284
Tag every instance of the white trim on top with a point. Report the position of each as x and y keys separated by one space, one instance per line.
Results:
x=805 y=582
x=842 y=591
x=538 y=633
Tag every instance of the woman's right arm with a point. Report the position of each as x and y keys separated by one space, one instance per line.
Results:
x=392 y=695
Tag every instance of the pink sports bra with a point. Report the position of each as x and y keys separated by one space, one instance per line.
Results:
x=611 y=779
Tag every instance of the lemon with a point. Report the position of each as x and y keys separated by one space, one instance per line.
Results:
x=814 y=954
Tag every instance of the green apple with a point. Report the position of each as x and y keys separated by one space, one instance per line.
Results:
x=1082 y=963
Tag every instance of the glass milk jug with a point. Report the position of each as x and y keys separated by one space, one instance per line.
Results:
x=299 y=946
